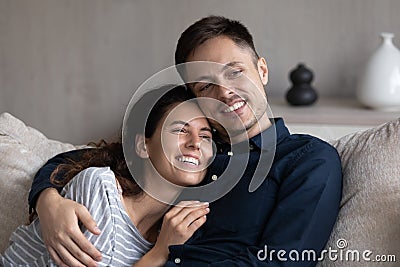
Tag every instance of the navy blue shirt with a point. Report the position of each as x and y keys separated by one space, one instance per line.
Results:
x=286 y=221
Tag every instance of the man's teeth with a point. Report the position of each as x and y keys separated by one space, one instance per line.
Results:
x=234 y=107
x=189 y=160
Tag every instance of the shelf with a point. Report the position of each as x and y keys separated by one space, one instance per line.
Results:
x=330 y=111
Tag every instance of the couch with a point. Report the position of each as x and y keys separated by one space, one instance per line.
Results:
x=369 y=219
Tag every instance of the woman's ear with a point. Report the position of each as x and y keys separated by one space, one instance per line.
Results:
x=140 y=146
x=262 y=70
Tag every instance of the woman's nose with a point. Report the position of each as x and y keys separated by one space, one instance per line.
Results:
x=193 y=141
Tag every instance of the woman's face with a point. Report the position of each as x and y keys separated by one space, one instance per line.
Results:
x=181 y=147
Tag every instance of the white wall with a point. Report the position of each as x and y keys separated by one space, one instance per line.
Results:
x=69 y=67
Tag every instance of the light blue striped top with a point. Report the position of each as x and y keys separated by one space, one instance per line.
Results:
x=120 y=242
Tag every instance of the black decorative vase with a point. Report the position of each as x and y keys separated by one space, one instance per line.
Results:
x=301 y=93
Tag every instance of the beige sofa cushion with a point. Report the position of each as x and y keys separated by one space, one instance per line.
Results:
x=23 y=151
x=369 y=218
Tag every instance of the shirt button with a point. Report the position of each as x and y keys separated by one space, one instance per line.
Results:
x=214 y=177
x=230 y=153
x=251 y=147
x=177 y=260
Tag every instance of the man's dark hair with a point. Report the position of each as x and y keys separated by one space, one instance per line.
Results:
x=211 y=27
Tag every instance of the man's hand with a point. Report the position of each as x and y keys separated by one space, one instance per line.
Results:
x=60 y=230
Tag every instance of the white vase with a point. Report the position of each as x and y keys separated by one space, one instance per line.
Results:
x=379 y=85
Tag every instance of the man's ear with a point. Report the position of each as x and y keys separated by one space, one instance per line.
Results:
x=262 y=70
x=140 y=146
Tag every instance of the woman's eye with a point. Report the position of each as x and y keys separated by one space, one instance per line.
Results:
x=205 y=87
x=206 y=137
x=179 y=131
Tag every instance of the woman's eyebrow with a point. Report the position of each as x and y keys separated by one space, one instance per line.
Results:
x=184 y=123
x=207 y=129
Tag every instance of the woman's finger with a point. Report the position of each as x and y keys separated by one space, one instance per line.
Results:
x=183 y=204
x=194 y=215
x=197 y=224
x=184 y=212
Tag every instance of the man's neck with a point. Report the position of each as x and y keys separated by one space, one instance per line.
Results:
x=261 y=125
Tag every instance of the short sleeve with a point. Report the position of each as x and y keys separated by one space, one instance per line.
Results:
x=95 y=188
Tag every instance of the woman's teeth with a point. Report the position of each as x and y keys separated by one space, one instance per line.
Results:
x=189 y=160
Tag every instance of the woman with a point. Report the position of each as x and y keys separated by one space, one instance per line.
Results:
x=175 y=146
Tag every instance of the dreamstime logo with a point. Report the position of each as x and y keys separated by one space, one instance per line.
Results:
x=204 y=73
x=340 y=253
x=341 y=243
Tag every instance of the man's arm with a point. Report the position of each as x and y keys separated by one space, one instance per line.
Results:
x=59 y=217
x=41 y=181
x=306 y=211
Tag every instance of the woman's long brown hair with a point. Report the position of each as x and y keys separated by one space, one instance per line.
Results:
x=103 y=155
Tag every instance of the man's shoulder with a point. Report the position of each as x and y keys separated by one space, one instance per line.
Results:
x=304 y=145
x=305 y=154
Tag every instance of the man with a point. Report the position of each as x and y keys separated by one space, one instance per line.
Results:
x=292 y=211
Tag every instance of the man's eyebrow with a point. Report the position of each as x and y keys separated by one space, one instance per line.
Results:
x=184 y=123
x=202 y=79
x=209 y=78
x=231 y=64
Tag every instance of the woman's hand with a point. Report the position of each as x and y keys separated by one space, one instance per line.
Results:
x=178 y=226
x=61 y=233
x=180 y=223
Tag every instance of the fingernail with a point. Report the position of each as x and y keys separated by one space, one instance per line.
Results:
x=207 y=209
x=97 y=229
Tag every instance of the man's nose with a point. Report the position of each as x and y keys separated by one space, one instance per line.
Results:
x=224 y=92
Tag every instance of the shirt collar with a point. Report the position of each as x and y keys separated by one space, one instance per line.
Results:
x=264 y=140
x=272 y=135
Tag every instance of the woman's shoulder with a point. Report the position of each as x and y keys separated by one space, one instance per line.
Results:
x=94 y=179
x=96 y=172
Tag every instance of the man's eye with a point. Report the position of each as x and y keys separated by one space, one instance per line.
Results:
x=234 y=74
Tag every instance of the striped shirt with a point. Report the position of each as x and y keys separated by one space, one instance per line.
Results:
x=120 y=243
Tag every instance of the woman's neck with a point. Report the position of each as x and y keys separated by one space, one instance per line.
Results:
x=147 y=209
x=145 y=213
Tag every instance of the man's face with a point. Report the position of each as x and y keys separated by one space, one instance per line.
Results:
x=235 y=82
